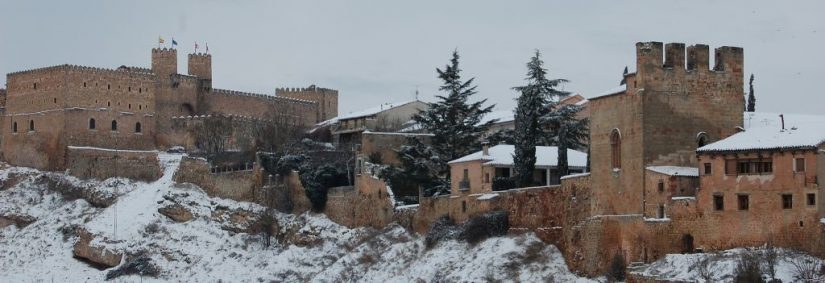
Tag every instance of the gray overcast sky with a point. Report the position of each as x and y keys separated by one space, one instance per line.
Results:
x=380 y=51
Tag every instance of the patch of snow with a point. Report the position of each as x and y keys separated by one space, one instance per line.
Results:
x=488 y=196
x=546 y=156
x=571 y=176
x=675 y=170
x=764 y=131
x=683 y=198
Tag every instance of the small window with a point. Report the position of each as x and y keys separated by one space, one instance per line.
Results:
x=140 y=90
x=661 y=186
x=661 y=211
x=84 y=84
x=463 y=206
x=616 y=149
x=55 y=100
x=114 y=125
x=35 y=85
x=707 y=169
x=811 y=199
x=109 y=86
x=799 y=164
x=14 y=127
x=130 y=106
x=92 y=124
x=108 y=104
x=744 y=202
x=730 y=167
x=129 y=89
x=466 y=174
x=137 y=127
x=140 y=107
x=787 y=201
x=718 y=202
x=31 y=125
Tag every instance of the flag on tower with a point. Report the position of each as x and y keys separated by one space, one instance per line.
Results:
x=207 y=48
x=160 y=40
x=196 y=47
x=174 y=43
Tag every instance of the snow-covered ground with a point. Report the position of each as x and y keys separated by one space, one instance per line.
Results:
x=309 y=247
x=721 y=267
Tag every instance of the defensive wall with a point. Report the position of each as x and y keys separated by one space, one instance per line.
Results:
x=100 y=163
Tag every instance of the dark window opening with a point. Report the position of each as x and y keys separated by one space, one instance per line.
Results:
x=129 y=89
x=787 y=201
x=31 y=125
x=718 y=202
x=14 y=127
x=140 y=90
x=92 y=124
x=811 y=199
x=801 y=224
x=140 y=107
x=661 y=211
x=55 y=100
x=743 y=202
x=130 y=106
x=109 y=86
x=84 y=84
x=754 y=166
x=463 y=206
x=661 y=186
x=108 y=104
x=616 y=149
x=35 y=85
x=707 y=169
x=137 y=127
x=114 y=125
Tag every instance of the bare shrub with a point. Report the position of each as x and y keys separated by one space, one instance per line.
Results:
x=483 y=226
x=534 y=252
x=702 y=266
x=443 y=228
x=805 y=269
x=748 y=268
x=770 y=258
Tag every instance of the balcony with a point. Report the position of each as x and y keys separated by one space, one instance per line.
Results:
x=464 y=185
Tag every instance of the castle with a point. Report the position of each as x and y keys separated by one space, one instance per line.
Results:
x=49 y=110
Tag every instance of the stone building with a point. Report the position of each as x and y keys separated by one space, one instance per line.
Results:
x=46 y=110
x=390 y=117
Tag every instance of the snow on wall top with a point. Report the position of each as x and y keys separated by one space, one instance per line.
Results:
x=373 y=110
x=675 y=170
x=612 y=91
x=502 y=116
x=763 y=131
x=546 y=156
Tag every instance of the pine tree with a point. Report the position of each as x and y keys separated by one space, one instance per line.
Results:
x=536 y=99
x=454 y=121
x=417 y=169
x=568 y=132
x=751 y=97
x=624 y=74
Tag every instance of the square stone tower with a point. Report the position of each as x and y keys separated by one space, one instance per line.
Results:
x=668 y=109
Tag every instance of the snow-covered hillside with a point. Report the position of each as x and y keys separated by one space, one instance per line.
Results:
x=214 y=247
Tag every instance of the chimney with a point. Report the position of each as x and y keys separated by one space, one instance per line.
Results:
x=485 y=148
x=782 y=118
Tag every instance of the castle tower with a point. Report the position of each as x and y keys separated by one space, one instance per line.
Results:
x=672 y=104
x=326 y=100
x=164 y=61
x=200 y=65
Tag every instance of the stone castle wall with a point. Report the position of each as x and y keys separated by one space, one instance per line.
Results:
x=239 y=185
x=98 y=163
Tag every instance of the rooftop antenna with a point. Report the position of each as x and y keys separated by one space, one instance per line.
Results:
x=416 y=93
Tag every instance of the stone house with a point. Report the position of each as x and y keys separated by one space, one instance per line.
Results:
x=390 y=117
x=475 y=172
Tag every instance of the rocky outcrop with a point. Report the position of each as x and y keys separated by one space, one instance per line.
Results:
x=72 y=191
x=176 y=212
x=16 y=219
x=98 y=255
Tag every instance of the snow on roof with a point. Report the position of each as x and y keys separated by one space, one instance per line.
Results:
x=546 y=156
x=763 y=131
x=374 y=110
x=612 y=91
x=675 y=170
x=502 y=116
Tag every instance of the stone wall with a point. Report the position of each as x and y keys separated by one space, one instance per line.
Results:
x=88 y=162
x=236 y=185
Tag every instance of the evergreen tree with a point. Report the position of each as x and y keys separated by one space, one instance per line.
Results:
x=454 y=121
x=624 y=80
x=568 y=132
x=419 y=168
x=536 y=99
x=751 y=97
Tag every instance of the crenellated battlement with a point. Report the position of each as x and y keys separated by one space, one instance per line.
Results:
x=121 y=72
x=199 y=54
x=200 y=65
x=311 y=88
x=258 y=95
x=649 y=57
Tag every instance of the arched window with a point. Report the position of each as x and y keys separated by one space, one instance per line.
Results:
x=14 y=127
x=137 y=127
x=114 y=125
x=92 y=124
x=31 y=125
x=616 y=149
x=701 y=139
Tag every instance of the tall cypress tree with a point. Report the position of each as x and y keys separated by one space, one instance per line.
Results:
x=568 y=131
x=751 y=97
x=454 y=121
x=536 y=99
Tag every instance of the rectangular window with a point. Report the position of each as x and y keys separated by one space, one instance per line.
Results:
x=787 y=201
x=718 y=202
x=743 y=202
x=753 y=166
x=730 y=167
x=799 y=165
x=707 y=169
x=811 y=199
x=661 y=186
x=466 y=174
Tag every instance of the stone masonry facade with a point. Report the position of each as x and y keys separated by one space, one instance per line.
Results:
x=44 y=111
